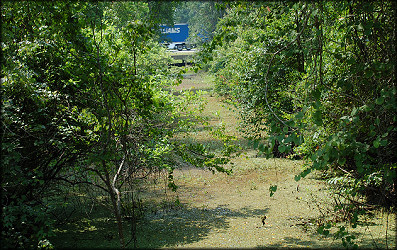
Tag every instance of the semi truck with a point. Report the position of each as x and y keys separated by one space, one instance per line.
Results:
x=174 y=37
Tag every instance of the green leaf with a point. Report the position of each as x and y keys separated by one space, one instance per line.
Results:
x=307 y=170
x=354 y=111
x=316 y=94
x=281 y=148
x=299 y=115
x=380 y=100
x=360 y=169
x=377 y=143
x=288 y=139
x=383 y=143
x=297 y=139
x=272 y=190
x=256 y=143
x=317 y=117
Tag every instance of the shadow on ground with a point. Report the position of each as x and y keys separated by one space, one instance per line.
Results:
x=187 y=225
x=163 y=228
x=295 y=242
x=331 y=241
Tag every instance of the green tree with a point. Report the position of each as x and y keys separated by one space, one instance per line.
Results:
x=41 y=130
x=316 y=80
x=202 y=17
x=84 y=102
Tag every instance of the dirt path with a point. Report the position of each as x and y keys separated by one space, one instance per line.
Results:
x=216 y=210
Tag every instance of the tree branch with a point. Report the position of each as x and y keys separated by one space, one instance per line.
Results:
x=80 y=182
x=270 y=64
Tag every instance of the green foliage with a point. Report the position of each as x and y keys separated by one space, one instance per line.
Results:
x=315 y=81
x=23 y=223
x=85 y=101
x=42 y=129
x=202 y=17
x=272 y=190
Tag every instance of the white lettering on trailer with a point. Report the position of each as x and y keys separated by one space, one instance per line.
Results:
x=170 y=30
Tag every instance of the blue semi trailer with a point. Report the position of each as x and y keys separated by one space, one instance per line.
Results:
x=174 y=37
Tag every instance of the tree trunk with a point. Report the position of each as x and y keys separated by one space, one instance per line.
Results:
x=116 y=206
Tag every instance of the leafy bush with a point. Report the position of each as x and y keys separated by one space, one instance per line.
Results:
x=85 y=102
x=316 y=80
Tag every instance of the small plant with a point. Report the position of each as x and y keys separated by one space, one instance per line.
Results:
x=45 y=244
x=253 y=186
